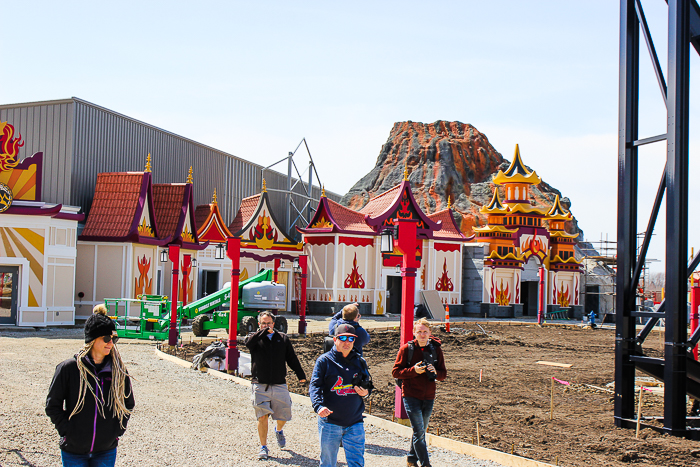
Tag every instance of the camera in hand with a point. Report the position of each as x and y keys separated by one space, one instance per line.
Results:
x=429 y=360
x=364 y=381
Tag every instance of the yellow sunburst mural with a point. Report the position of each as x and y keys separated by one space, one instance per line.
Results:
x=29 y=244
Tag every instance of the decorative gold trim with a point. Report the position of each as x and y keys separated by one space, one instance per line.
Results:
x=148 y=163
x=264 y=186
x=189 y=176
x=213 y=199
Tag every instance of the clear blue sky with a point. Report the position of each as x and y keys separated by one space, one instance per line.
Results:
x=254 y=78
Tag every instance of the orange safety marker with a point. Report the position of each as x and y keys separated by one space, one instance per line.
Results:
x=447 y=318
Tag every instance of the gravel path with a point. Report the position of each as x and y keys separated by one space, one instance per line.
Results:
x=182 y=417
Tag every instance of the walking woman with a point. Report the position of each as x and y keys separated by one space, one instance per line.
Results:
x=96 y=390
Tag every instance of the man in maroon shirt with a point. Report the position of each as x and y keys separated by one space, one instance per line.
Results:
x=419 y=364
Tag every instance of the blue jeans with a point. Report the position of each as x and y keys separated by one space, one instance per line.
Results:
x=419 y=413
x=353 y=438
x=95 y=459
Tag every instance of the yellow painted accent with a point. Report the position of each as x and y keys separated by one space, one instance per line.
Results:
x=494 y=228
x=557 y=259
x=559 y=233
x=144 y=229
x=187 y=235
x=526 y=208
x=532 y=178
x=34 y=239
x=494 y=255
x=32 y=299
x=380 y=307
x=244 y=275
x=322 y=223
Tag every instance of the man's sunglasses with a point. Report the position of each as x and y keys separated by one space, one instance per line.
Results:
x=347 y=338
x=108 y=339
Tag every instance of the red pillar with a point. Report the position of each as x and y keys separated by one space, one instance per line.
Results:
x=174 y=256
x=276 y=266
x=407 y=244
x=186 y=268
x=694 y=303
x=233 y=251
x=303 y=264
x=541 y=298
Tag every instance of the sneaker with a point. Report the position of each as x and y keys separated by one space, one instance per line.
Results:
x=281 y=440
x=263 y=454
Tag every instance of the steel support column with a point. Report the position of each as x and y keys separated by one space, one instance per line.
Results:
x=626 y=211
x=676 y=218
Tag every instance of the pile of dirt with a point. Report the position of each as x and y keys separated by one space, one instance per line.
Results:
x=511 y=403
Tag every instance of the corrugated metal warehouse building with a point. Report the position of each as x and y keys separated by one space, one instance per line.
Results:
x=80 y=139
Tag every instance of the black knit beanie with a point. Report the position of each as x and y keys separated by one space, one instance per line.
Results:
x=98 y=325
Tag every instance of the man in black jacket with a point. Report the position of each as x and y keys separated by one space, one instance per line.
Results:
x=270 y=352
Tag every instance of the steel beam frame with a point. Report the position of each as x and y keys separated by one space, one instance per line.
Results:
x=683 y=30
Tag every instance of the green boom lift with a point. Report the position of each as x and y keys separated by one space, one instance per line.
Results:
x=211 y=312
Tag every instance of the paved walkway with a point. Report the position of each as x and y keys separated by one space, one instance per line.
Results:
x=182 y=418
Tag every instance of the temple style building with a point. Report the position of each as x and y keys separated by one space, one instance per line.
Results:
x=346 y=264
x=37 y=242
x=131 y=220
x=522 y=238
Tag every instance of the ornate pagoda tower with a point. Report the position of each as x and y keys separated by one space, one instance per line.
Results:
x=520 y=243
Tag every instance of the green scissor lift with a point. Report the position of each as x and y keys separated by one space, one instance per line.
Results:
x=153 y=321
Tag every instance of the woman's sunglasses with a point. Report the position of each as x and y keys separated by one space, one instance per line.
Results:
x=108 y=339
x=347 y=338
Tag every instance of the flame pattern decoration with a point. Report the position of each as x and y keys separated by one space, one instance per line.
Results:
x=263 y=234
x=563 y=296
x=142 y=284
x=444 y=284
x=9 y=147
x=503 y=295
x=517 y=289
x=354 y=279
x=405 y=211
x=576 y=289
x=322 y=223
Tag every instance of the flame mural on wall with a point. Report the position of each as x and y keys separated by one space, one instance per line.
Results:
x=142 y=284
x=9 y=147
x=354 y=279
x=444 y=284
x=563 y=296
x=503 y=295
x=263 y=234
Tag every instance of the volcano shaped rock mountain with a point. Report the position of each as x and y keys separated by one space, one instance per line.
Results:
x=445 y=159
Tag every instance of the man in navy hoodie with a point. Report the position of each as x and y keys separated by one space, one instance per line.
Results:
x=339 y=401
x=350 y=314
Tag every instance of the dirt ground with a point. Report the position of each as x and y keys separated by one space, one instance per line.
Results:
x=511 y=404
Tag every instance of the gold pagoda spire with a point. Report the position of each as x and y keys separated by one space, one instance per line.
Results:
x=264 y=188
x=189 y=176
x=449 y=203
x=323 y=191
x=148 y=163
x=213 y=198
x=405 y=170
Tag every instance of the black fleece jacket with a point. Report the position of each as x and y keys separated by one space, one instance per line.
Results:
x=268 y=357
x=87 y=431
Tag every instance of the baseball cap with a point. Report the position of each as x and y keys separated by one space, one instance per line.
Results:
x=345 y=330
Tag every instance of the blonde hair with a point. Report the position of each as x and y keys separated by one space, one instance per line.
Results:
x=100 y=309
x=351 y=311
x=118 y=392
x=424 y=322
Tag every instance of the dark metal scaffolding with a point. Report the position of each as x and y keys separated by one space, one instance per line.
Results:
x=680 y=373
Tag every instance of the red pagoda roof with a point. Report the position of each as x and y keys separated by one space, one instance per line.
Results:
x=122 y=200
x=211 y=226
x=175 y=214
x=448 y=228
x=245 y=212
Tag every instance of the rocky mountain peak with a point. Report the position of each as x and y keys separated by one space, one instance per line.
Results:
x=444 y=159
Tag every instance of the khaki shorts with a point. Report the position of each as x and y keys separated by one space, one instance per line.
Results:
x=272 y=399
